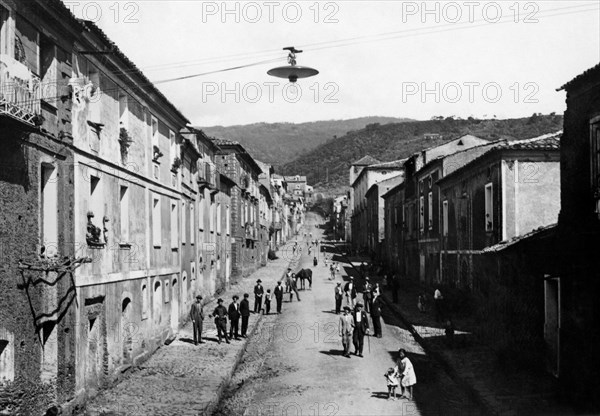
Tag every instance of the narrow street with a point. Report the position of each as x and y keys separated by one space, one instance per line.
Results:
x=293 y=364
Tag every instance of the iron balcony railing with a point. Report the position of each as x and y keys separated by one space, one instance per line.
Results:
x=20 y=99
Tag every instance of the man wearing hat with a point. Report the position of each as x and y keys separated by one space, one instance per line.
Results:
x=197 y=317
x=288 y=280
x=258 y=296
x=220 y=314
x=346 y=328
x=339 y=295
x=367 y=294
x=361 y=327
x=376 y=315
x=278 y=292
x=350 y=291
x=245 y=312
x=234 y=318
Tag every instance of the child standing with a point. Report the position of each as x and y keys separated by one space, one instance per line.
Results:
x=392 y=382
x=268 y=301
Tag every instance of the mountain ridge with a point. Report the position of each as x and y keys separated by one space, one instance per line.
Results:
x=326 y=167
x=278 y=143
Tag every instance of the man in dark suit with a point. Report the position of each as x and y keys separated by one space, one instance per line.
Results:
x=220 y=314
x=339 y=295
x=278 y=292
x=234 y=318
x=197 y=317
x=258 y=296
x=245 y=311
x=350 y=292
x=361 y=327
x=367 y=295
x=376 y=315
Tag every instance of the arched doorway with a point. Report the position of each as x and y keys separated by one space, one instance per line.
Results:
x=175 y=306
x=184 y=291
x=157 y=300
x=128 y=329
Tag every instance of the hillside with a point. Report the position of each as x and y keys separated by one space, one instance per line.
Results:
x=280 y=143
x=326 y=167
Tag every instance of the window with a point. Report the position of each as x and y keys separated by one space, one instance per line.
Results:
x=595 y=161
x=421 y=213
x=445 y=218
x=192 y=227
x=124 y=208
x=7 y=356
x=123 y=109
x=167 y=292
x=201 y=213
x=173 y=144
x=183 y=222
x=212 y=214
x=154 y=127
x=219 y=218
x=49 y=214
x=96 y=203
x=156 y=222
x=228 y=220
x=243 y=212
x=26 y=44
x=3 y=30
x=144 y=301
x=489 y=207
x=174 y=226
x=430 y=210
x=48 y=70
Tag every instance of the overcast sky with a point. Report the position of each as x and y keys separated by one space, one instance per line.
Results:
x=376 y=58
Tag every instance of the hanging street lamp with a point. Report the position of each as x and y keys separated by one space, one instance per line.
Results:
x=292 y=72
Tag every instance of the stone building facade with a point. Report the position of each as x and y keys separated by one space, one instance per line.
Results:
x=37 y=342
x=237 y=164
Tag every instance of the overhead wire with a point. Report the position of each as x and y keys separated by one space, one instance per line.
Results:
x=362 y=39
x=341 y=43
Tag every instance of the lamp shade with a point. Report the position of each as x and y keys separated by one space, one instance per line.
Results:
x=292 y=72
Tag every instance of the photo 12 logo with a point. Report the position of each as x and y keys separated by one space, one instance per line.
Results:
x=469 y=91
x=269 y=11
x=254 y=92
x=94 y=11
x=469 y=12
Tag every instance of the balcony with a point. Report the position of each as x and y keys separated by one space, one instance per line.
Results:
x=207 y=176
x=201 y=177
x=20 y=92
x=211 y=175
x=250 y=232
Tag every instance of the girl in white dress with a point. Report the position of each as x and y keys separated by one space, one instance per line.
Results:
x=407 y=374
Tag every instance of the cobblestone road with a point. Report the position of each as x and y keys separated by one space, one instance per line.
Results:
x=293 y=366
x=181 y=378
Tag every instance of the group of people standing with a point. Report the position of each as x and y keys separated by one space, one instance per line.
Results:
x=234 y=313
x=371 y=297
x=353 y=326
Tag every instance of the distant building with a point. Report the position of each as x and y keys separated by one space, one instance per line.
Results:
x=368 y=176
x=421 y=206
x=509 y=191
x=375 y=227
x=237 y=164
